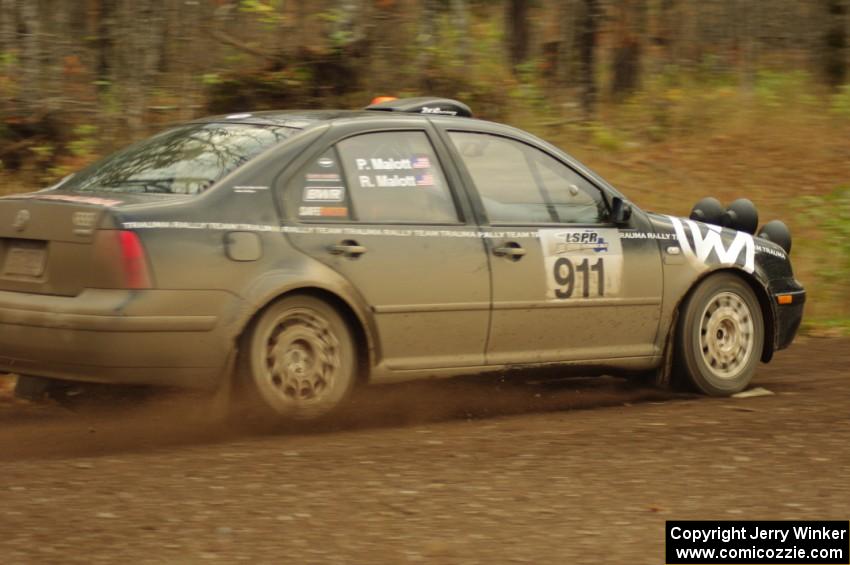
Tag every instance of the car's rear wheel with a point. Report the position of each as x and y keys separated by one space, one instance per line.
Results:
x=297 y=361
x=720 y=336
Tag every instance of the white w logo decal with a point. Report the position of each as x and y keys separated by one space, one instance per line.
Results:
x=704 y=244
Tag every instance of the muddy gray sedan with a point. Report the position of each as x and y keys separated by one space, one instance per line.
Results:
x=292 y=256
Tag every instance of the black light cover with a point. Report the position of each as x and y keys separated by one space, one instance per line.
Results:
x=777 y=232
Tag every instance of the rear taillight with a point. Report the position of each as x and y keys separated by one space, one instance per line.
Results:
x=119 y=261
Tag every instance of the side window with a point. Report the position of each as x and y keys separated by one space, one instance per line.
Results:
x=319 y=190
x=521 y=184
x=395 y=177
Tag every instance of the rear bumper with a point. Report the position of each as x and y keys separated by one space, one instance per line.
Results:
x=117 y=336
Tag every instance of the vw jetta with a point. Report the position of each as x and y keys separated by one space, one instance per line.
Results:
x=297 y=254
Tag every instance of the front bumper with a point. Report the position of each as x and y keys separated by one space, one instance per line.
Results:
x=788 y=316
x=117 y=336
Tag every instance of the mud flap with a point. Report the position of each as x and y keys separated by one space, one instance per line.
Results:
x=221 y=402
x=663 y=377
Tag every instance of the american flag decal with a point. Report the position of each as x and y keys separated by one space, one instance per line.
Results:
x=426 y=179
x=421 y=162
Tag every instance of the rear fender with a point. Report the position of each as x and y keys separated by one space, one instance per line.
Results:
x=308 y=277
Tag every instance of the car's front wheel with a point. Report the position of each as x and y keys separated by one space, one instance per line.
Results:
x=720 y=335
x=298 y=360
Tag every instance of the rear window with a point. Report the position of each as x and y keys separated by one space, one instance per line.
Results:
x=183 y=160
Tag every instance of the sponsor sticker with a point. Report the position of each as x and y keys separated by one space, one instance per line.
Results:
x=323 y=194
x=323 y=211
x=437 y=110
x=66 y=198
x=246 y=189
x=315 y=210
x=705 y=244
x=322 y=177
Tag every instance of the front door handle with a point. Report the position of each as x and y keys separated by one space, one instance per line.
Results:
x=512 y=250
x=349 y=248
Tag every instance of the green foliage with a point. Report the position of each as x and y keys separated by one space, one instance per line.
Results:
x=43 y=151
x=831 y=327
x=840 y=102
x=266 y=11
x=776 y=89
x=606 y=138
x=528 y=92
x=84 y=145
x=8 y=58
x=211 y=79
x=340 y=34
x=830 y=215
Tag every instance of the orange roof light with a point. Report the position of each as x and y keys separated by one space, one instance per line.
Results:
x=379 y=99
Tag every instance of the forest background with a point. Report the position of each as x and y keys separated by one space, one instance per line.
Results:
x=670 y=100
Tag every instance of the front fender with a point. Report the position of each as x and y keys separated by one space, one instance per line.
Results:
x=692 y=251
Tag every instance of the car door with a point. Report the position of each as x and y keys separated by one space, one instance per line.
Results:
x=566 y=286
x=379 y=208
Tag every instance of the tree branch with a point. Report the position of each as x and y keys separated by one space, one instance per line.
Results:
x=228 y=39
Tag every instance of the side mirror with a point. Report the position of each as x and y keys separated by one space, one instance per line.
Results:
x=621 y=211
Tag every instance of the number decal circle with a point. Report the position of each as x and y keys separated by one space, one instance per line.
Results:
x=582 y=263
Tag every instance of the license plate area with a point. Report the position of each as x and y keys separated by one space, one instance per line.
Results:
x=24 y=258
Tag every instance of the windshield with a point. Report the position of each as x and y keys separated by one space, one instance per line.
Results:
x=184 y=160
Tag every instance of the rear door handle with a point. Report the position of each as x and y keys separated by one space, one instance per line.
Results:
x=511 y=250
x=349 y=248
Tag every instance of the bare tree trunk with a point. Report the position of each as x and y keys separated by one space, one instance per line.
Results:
x=847 y=34
x=747 y=42
x=105 y=46
x=835 y=43
x=385 y=27
x=428 y=39
x=667 y=37
x=8 y=25
x=31 y=56
x=587 y=36
x=56 y=49
x=628 y=49
x=460 y=20
x=566 y=46
x=517 y=28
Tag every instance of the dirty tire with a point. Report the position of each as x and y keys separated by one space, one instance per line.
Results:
x=720 y=336
x=297 y=361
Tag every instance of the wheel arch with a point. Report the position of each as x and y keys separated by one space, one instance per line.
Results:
x=363 y=342
x=762 y=295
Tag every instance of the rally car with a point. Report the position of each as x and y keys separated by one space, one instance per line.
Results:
x=293 y=255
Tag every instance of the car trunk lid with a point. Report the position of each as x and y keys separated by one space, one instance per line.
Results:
x=47 y=242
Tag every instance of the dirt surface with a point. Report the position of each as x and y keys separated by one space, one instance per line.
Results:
x=480 y=470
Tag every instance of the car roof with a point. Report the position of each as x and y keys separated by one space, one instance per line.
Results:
x=288 y=118
x=392 y=108
x=303 y=119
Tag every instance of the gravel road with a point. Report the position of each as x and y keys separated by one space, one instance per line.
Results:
x=478 y=470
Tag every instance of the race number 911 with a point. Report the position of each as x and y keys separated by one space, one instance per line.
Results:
x=569 y=276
